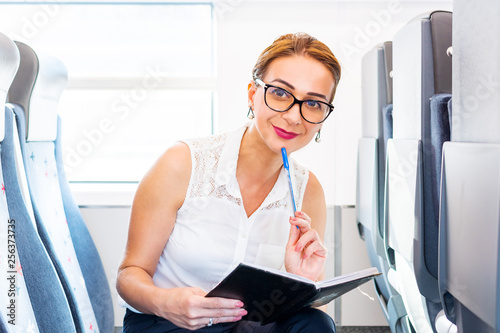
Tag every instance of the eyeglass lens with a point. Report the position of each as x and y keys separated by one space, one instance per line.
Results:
x=281 y=100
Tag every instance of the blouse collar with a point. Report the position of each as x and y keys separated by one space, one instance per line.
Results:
x=226 y=170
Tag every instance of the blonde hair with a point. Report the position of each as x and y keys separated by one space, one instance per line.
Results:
x=298 y=44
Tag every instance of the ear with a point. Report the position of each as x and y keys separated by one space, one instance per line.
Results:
x=252 y=89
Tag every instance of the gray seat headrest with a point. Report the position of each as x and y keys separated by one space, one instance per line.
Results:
x=422 y=68
x=9 y=63
x=37 y=88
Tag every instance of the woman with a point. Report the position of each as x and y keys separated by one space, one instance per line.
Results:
x=210 y=203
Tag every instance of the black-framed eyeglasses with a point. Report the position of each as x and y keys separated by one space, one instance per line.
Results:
x=281 y=100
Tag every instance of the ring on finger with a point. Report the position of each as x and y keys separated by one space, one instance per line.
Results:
x=210 y=322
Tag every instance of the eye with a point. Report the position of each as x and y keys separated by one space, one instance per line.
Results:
x=313 y=105
x=279 y=93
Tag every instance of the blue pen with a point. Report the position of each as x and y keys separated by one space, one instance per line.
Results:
x=287 y=168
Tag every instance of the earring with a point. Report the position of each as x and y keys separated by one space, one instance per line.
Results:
x=318 y=136
x=250 y=114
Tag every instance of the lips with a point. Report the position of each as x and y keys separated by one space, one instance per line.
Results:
x=284 y=134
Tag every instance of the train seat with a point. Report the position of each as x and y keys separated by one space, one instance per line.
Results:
x=34 y=99
x=376 y=128
x=40 y=304
x=15 y=303
x=86 y=251
x=470 y=193
x=421 y=87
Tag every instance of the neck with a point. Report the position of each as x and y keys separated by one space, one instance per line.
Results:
x=255 y=159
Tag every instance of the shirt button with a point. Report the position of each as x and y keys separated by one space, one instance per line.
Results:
x=244 y=235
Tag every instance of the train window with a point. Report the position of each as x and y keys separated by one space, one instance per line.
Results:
x=141 y=75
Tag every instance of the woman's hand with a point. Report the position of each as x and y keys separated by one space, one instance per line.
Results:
x=190 y=309
x=305 y=253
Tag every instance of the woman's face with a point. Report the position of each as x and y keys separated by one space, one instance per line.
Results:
x=305 y=78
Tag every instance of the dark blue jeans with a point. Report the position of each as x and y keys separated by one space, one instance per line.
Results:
x=307 y=320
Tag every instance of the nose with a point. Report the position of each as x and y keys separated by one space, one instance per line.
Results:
x=293 y=115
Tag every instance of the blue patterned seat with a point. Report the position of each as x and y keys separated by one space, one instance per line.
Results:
x=36 y=118
x=39 y=300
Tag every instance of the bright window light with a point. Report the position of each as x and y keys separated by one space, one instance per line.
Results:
x=141 y=76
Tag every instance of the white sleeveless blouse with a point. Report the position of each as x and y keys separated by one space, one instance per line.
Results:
x=212 y=233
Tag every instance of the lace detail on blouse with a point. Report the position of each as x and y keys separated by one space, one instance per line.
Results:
x=206 y=155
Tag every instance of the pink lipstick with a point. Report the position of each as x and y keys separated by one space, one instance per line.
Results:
x=284 y=134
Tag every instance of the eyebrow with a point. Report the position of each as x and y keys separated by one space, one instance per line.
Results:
x=293 y=88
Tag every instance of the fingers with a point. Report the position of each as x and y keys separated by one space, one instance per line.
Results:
x=293 y=236
x=198 y=323
x=220 y=303
x=307 y=240
x=304 y=240
x=300 y=232
x=218 y=320
x=305 y=252
x=315 y=248
x=220 y=310
x=189 y=308
x=301 y=220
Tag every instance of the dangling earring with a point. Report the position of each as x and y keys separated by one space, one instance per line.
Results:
x=318 y=136
x=250 y=114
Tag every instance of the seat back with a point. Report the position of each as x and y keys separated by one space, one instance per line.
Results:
x=376 y=96
x=470 y=193
x=422 y=70
x=435 y=131
x=86 y=251
x=475 y=73
x=376 y=130
x=35 y=298
x=469 y=236
x=47 y=298
x=9 y=64
x=35 y=108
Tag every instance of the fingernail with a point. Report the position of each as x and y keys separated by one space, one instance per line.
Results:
x=300 y=213
x=237 y=318
x=243 y=312
x=239 y=304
